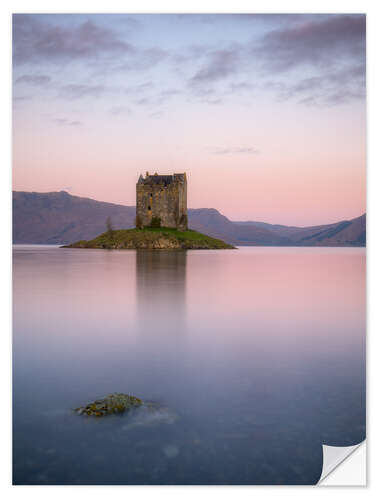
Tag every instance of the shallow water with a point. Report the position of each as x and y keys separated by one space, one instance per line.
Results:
x=256 y=356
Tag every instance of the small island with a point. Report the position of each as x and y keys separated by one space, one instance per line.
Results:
x=162 y=238
x=161 y=220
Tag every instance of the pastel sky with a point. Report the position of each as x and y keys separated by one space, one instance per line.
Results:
x=265 y=113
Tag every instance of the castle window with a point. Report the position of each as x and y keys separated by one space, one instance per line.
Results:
x=149 y=207
x=151 y=195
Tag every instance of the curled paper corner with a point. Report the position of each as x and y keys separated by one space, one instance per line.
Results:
x=333 y=456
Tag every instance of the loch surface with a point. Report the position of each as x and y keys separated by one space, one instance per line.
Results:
x=256 y=357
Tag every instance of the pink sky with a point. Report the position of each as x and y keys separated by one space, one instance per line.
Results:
x=258 y=142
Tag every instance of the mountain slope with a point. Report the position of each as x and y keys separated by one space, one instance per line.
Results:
x=344 y=233
x=61 y=218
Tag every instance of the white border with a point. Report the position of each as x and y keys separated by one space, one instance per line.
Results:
x=75 y=6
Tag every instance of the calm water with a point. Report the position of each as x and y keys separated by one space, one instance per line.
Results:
x=256 y=355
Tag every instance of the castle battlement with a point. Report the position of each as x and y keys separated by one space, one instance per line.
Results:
x=163 y=197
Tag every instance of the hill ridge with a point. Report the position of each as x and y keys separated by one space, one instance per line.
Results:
x=58 y=217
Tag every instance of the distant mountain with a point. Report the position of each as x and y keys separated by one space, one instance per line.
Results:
x=60 y=218
x=344 y=233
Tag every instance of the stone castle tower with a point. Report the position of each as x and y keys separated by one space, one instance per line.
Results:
x=162 y=197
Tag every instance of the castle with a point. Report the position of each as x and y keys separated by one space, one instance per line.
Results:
x=162 y=198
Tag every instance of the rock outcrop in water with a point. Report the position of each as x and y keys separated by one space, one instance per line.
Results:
x=114 y=403
x=151 y=238
x=153 y=413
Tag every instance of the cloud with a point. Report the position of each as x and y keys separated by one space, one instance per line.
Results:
x=169 y=93
x=315 y=42
x=129 y=22
x=66 y=122
x=330 y=49
x=140 y=88
x=194 y=18
x=244 y=18
x=219 y=65
x=37 y=40
x=33 y=79
x=120 y=110
x=331 y=88
x=143 y=59
x=331 y=99
x=212 y=101
x=145 y=101
x=275 y=19
x=34 y=41
x=234 y=151
x=22 y=98
x=240 y=87
x=310 y=58
x=75 y=91
x=157 y=99
x=156 y=114
x=193 y=54
x=204 y=92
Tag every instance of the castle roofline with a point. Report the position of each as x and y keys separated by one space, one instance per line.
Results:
x=157 y=179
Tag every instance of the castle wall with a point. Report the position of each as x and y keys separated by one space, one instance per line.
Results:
x=183 y=206
x=167 y=202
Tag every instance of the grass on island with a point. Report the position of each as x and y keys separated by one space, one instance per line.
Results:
x=138 y=238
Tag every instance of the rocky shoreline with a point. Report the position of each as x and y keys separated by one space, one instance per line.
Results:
x=151 y=239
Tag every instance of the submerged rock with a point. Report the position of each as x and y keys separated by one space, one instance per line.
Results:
x=113 y=403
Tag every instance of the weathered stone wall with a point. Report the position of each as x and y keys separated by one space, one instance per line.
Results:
x=165 y=201
x=183 y=220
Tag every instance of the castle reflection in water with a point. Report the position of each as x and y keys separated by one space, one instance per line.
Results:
x=161 y=287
